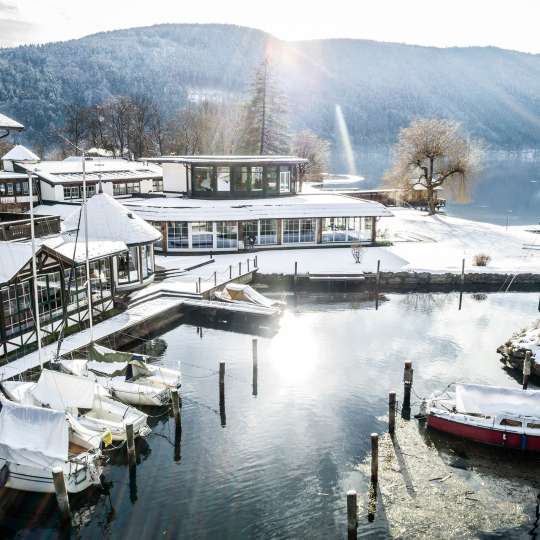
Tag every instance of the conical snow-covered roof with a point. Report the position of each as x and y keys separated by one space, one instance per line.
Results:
x=14 y=257
x=20 y=153
x=109 y=220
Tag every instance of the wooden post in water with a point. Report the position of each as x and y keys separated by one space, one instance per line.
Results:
x=248 y=264
x=526 y=369
x=392 y=413
x=407 y=386
x=462 y=283
x=60 y=490
x=240 y=268
x=254 y=354
x=257 y=266
x=130 y=439
x=222 y=393
x=199 y=285
x=374 y=458
x=230 y=271
x=215 y=279
x=176 y=408
x=295 y=274
x=377 y=284
x=352 y=511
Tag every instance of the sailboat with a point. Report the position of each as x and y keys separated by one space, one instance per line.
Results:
x=34 y=441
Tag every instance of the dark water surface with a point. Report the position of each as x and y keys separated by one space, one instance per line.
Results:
x=283 y=462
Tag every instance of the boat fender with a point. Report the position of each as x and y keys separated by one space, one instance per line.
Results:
x=4 y=474
x=523 y=441
x=504 y=437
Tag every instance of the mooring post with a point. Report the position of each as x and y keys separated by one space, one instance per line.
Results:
x=462 y=283
x=407 y=384
x=222 y=393
x=378 y=278
x=199 y=285
x=215 y=279
x=130 y=439
x=526 y=369
x=255 y=262
x=352 y=511
x=391 y=413
x=176 y=408
x=248 y=264
x=230 y=271
x=240 y=268
x=60 y=490
x=374 y=458
x=295 y=279
x=254 y=354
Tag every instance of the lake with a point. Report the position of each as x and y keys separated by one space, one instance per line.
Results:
x=282 y=463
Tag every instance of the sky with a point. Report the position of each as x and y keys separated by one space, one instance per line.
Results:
x=510 y=24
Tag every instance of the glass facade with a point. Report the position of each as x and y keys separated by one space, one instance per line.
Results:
x=202 y=179
x=223 y=175
x=296 y=231
x=272 y=179
x=268 y=232
x=257 y=178
x=127 y=188
x=284 y=181
x=177 y=235
x=226 y=235
x=202 y=235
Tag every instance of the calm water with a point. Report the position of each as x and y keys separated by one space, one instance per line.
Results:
x=281 y=465
x=507 y=188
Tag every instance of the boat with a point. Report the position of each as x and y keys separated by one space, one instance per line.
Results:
x=493 y=415
x=239 y=292
x=86 y=400
x=111 y=376
x=34 y=441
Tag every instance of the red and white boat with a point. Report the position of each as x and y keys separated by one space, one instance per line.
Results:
x=505 y=417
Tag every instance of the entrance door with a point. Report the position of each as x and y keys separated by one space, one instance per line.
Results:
x=249 y=233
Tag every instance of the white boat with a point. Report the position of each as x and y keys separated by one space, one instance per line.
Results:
x=239 y=292
x=84 y=399
x=110 y=375
x=34 y=441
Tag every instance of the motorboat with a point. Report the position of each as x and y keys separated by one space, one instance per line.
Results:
x=499 y=416
x=239 y=292
x=34 y=441
x=86 y=400
x=112 y=377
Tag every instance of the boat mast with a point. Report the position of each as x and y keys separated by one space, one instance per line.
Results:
x=87 y=258
x=34 y=268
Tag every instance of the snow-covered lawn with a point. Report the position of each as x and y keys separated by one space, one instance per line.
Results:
x=421 y=243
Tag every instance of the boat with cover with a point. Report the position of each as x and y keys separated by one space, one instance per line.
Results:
x=34 y=441
x=239 y=292
x=112 y=376
x=505 y=417
x=84 y=399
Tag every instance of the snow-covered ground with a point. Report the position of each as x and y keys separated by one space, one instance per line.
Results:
x=420 y=243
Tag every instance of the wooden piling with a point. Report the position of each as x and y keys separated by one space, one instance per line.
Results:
x=374 y=458
x=526 y=369
x=295 y=279
x=230 y=271
x=254 y=354
x=240 y=268
x=462 y=283
x=222 y=393
x=391 y=413
x=407 y=384
x=60 y=490
x=352 y=510
x=378 y=278
x=257 y=266
x=130 y=439
x=176 y=408
x=247 y=264
x=199 y=285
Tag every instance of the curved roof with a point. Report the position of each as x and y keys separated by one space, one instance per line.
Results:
x=20 y=153
x=109 y=220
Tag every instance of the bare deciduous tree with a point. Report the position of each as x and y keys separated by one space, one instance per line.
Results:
x=309 y=145
x=433 y=153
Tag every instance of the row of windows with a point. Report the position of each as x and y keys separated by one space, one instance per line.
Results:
x=207 y=235
x=76 y=192
x=15 y=188
x=127 y=188
x=268 y=179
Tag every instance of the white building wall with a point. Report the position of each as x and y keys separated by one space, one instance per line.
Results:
x=51 y=193
x=174 y=177
x=147 y=186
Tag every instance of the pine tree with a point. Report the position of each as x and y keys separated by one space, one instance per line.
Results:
x=264 y=124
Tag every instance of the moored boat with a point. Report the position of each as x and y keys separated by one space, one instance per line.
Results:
x=34 y=441
x=498 y=416
x=239 y=292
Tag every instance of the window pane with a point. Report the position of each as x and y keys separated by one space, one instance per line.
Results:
x=242 y=179
x=177 y=232
x=268 y=234
x=256 y=178
x=202 y=178
x=226 y=234
x=223 y=178
x=202 y=236
x=285 y=181
x=271 y=179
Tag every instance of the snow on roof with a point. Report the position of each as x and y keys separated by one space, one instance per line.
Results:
x=295 y=206
x=7 y=175
x=20 y=153
x=227 y=159
x=109 y=220
x=8 y=123
x=66 y=247
x=61 y=210
x=13 y=256
x=70 y=171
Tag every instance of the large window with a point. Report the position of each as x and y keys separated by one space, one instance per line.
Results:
x=298 y=230
x=17 y=306
x=202 y=178
x=128 y=265
x=268 y=231
x=242 y=179
x=177 y=233
x=223 y=178
x=202 y=236
x=226 y=234
x=256 y=178
x=285 y=181
x=271 y=179
x=71 y=192
x=351 y=229
x=157 y=184
x=250 y=231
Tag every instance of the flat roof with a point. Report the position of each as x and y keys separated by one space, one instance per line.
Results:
x=295 y=206
x=110 y=170
x=7 y=175
x=8 y=123
x=227 y=159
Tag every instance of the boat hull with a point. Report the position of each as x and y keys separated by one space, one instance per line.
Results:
x=485 y=435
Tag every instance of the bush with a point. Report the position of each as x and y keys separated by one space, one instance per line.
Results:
x=357 y=252
x=481 y=259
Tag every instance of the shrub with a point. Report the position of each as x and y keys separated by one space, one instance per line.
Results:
x=481 y=259
x=357 y=251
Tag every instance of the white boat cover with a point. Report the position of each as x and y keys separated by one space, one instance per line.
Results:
x=60 y=391
x=496 y=400
x=238 y=291
x=100 y=353
x=33 y=436
x=107 y=368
